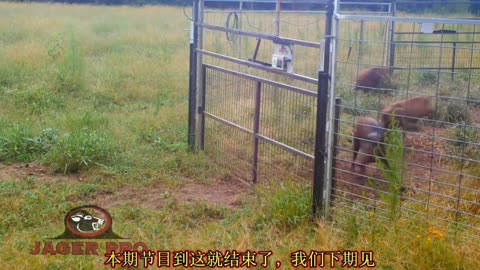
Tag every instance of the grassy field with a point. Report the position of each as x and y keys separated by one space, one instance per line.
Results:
x=93 y=104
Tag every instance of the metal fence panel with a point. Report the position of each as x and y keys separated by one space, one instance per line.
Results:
x=441 y=157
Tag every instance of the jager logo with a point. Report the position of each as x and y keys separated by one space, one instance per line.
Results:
x=83 y=223
x=88 y=221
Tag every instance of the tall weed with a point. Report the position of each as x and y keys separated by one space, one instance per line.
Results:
x=80 y=149
x=285 y=205
x=71 y=72
x=393 y=168
x=18 y=142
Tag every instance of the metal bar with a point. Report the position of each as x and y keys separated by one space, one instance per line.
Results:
x=360 y=44
x=273 y=83
x=277 y=17
x=330 y=54
x=420 y=43
x=321 y=121
x=192 y=89
x=320 y=146
x=363 y=4
x=285 y=147
x=274 y=1
x=268 y=11
x=259 y=66
x=392 y=35
x=407 y=19
x=202 y=109
x=276 y=39
x=228 y=123
x=437 y=42
x=199 y=57
x=433 y=1
x=447 y=33
x=256 y=129
x=461 y=176
x=453 y=59
x=298 y=12
x=336 y=125
x=259 y=40
x=412 y=68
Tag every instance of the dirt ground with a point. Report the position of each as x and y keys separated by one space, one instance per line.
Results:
x=155 y=197
x=21 y=170
x=229 y=193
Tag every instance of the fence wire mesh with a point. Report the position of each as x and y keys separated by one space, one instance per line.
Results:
x=433 y=89
x=248 y=126
x=425 y=73
x=293 y=20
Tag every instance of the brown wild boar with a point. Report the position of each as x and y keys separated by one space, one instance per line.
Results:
x=371 y=78
x=368 y=137
x=407 y=111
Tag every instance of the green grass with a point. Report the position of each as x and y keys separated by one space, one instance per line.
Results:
x=99 y=94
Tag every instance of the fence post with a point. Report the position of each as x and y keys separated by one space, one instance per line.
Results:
x=453 y=58
x=202 y=108
x=360 y=49
x=321 y=123
x=392 y=35
x=320 y=146
x=192 y=87
x=256 y=129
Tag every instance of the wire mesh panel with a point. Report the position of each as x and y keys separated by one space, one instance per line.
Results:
x=257 y=128
x=229 y=106
x=415 y=125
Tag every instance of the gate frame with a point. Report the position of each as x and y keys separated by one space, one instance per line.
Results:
x=326 y=108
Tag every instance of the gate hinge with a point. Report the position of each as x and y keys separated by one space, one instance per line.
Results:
x=200 y=109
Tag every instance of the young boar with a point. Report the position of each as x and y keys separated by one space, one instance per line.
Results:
x=374 y=77
x=407 y=112
x=367 y=138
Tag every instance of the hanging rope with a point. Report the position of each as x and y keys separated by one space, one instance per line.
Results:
x=232 y=23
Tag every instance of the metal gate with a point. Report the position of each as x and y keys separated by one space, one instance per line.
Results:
x=254 y=92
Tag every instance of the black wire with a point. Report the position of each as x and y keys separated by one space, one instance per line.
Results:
x=232 y=36
x=184 y=12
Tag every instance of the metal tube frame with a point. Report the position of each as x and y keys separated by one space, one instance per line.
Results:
x=331 y=109
x=192 y=92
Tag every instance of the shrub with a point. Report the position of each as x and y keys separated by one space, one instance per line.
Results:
x=427 y=78
x=80 y=150
x=474 y=98
x=285 y=205
x=393 y=172
x=452 y=112
x=17 y=143
x=465 y=143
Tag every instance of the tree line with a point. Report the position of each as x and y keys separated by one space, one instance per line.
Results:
x=412 y=6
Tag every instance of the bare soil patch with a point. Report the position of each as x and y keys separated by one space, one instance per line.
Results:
x=18 y=171
x=219 y=194
x=226 y=193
